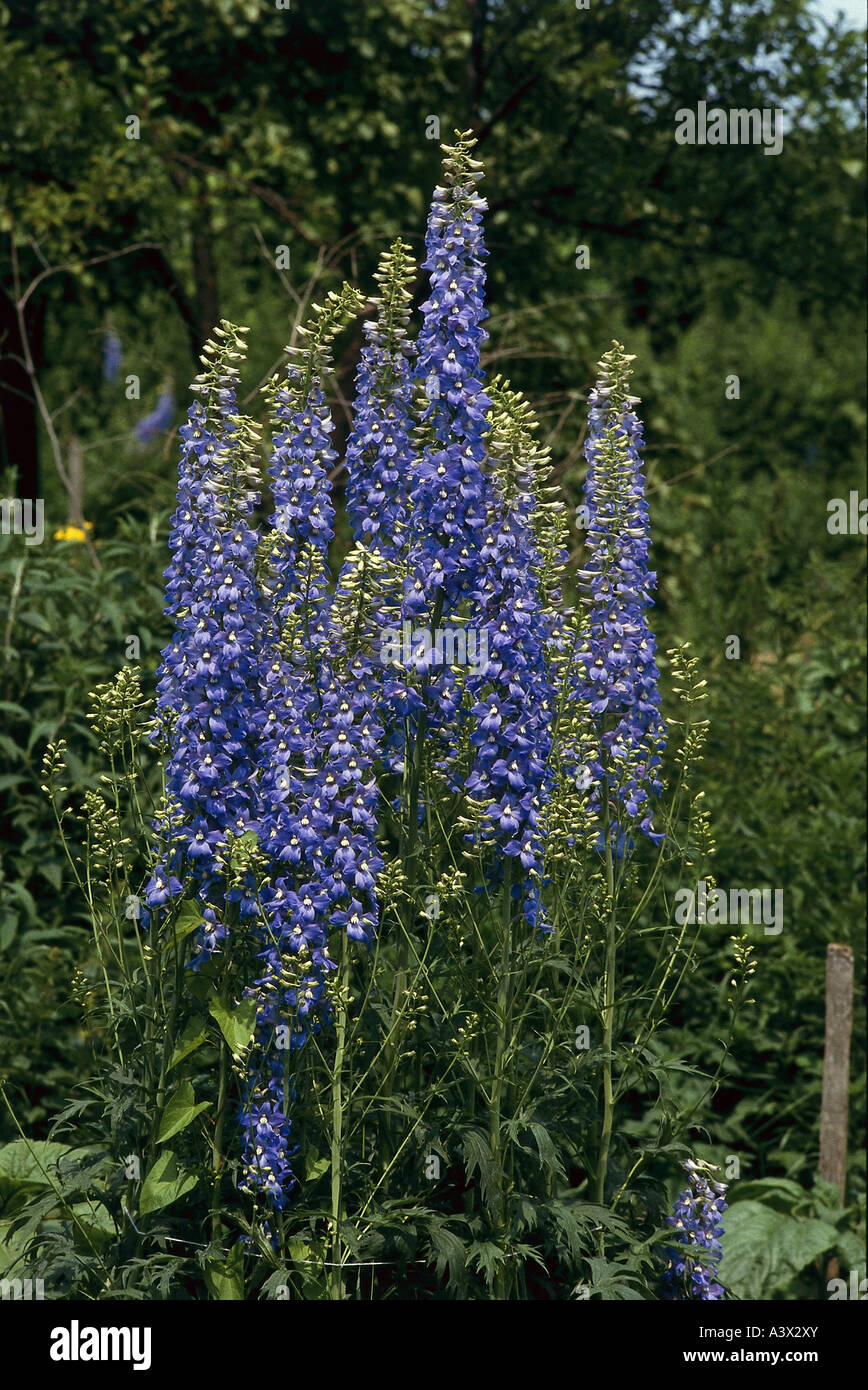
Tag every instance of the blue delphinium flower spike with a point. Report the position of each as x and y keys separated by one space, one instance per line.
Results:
x=619 y=676
x=208 y=712
x=512 y=694
x=691 y=1270
x=379 y=449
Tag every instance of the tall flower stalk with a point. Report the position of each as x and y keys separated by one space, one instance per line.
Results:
x=308 y=758
x=208 y=708
x=407 y=884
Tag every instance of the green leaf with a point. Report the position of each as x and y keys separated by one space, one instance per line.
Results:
x=225 y=1278
x=315 y=1166
x=179 y=1112
x=613 y=1282
x=192 y=1037
x=547 y=1152
x=164 y=1184
x=188 y=919
x=478 y=1156
x=763 y=1249
x=781 y=1194
x=485 y=1256
x=799 y=1242
x=747 y=1264
x=446 y=1251
x=851 y=1248
x=94 y=1222
x=12 y=1246
x=236 y=1024
x=29 y=1165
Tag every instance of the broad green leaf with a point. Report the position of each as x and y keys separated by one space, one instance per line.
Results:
x=315 y=1166
x=164 y=1184
x=192 y=1037
x=29 y=1165
x=781 y=1194
x=851 y=1248
x=188 y=919
x=225 y=1278
x=763 y=1250
x=747 y=1264
x=179 y=1112
x=799 y=1242
x=236 y=1024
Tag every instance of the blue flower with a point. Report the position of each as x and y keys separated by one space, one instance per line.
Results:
x=112 y=356
x=618 y=674
x=450 y=490
x=380 y=455
x=513 y=696
x=691 y=1269
x=208 y=713
x=160 y=419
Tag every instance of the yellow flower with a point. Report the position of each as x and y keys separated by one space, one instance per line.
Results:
x=72 y=533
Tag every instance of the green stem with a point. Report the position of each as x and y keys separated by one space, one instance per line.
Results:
x=504 y=1000
x=609 y=1010
x=217 y=1156
x=410 y=857
x=337 y=1282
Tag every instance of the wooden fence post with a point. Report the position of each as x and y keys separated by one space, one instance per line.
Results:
x=836 y=1066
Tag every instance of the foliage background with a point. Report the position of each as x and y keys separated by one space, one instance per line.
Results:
x=306 y=129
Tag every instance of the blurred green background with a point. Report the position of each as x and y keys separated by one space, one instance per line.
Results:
x=310 y=128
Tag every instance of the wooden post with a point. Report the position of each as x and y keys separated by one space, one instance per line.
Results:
x=836 y=1066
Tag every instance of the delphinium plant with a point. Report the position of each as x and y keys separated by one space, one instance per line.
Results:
x=378 y=882
x=697 y=1225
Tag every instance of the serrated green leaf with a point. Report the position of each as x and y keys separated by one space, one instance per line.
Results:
x=447 y=1251
x=478 y=1157
x=747 y=1264
x=797 y=1243
x=781 y=1194
x=763 y=1249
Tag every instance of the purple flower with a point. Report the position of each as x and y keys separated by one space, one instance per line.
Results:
x=511 y=731
x=160 y=419
x=112 y=356
x=379 y=451
x=450 y=491
x=208 y=681
x=691 y=1270
x=618 y=674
